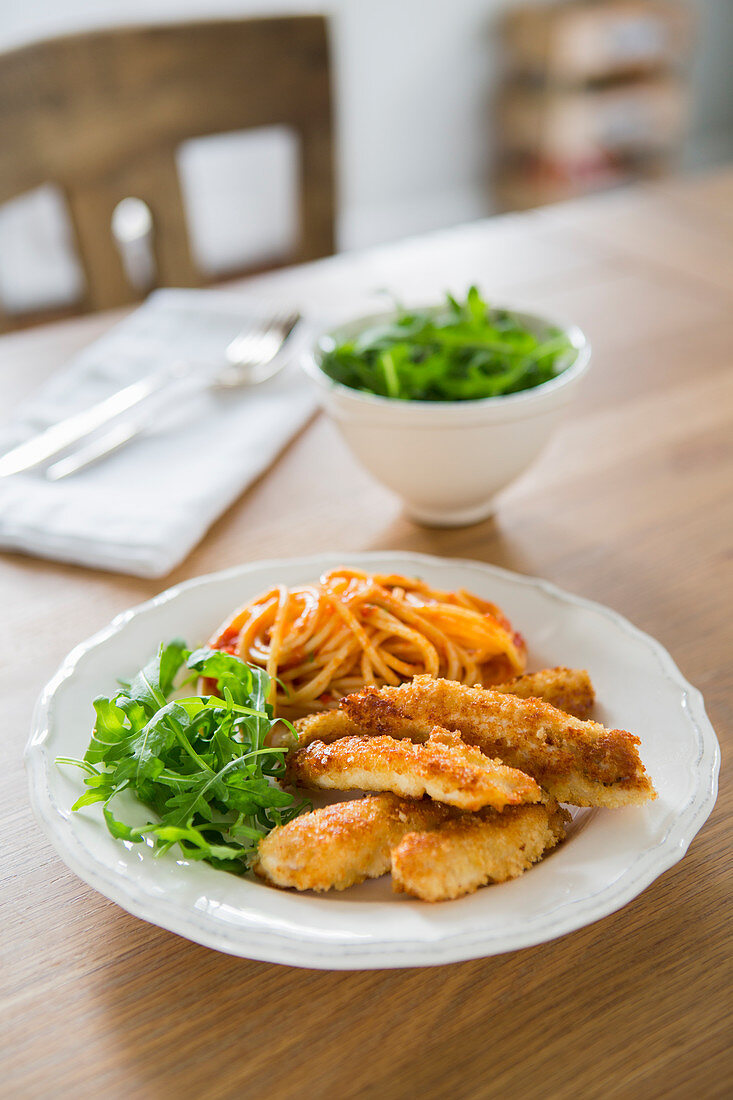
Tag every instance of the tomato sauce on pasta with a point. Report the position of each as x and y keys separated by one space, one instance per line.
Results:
x=320 y=642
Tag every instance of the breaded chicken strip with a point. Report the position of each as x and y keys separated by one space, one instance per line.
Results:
x=579 y=762
x=327 y=726
x=473 y=849
x=568 y=689
x=337 y=846
x=444 y=767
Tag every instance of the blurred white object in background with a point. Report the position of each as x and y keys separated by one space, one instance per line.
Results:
x=132 y=229
x=38 y=264
x=241 y=196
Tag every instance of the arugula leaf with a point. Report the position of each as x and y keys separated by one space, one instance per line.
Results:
x=172 y=656
x=461 y=352
x=111 y=729
x=152 y=683
x=200 y=763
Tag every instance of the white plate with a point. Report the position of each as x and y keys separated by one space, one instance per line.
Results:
x=608 y=858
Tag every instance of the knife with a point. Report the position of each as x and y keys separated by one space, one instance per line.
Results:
x=100 y=447
x=54 y=440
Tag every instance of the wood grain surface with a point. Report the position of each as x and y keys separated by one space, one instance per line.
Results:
x=631 y=506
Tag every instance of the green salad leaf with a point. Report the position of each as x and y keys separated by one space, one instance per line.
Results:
x=199 y=762
x=461 y=352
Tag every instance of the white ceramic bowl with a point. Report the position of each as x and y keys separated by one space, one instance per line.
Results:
x=447 y=460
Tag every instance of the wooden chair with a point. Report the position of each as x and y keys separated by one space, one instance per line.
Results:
x=102 y=114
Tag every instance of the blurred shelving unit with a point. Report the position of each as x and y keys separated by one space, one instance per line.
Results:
x=595 y=94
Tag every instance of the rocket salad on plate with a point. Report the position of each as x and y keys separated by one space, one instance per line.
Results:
x=199 y=762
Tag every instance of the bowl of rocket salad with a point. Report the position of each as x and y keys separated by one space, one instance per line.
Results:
x=447 y=404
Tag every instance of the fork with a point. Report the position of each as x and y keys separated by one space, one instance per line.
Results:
x=251 y=358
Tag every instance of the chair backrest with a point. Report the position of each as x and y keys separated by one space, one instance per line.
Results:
x=102 y=114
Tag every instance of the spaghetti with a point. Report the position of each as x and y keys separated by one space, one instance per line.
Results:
x=320 y=642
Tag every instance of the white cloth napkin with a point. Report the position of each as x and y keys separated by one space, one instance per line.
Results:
x=143 y=509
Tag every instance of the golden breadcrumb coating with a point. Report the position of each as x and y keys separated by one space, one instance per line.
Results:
x=444 y=767
x=470 y=850
x=326 y=726
x=568 y=689
x=338 y=846
x=574 y=761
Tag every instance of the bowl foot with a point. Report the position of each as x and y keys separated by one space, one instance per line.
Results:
x=459 y=517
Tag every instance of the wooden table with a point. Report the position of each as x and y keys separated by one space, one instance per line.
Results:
x=631 y=506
